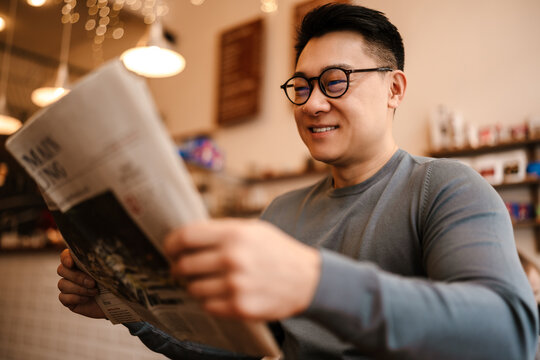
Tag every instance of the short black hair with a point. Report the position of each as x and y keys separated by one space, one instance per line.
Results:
x=382 y=37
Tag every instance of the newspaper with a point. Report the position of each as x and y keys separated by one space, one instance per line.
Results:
x=116 y=186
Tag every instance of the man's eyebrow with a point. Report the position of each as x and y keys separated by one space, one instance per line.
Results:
x=341 y=65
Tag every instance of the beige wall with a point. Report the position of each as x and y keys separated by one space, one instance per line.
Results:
x=481 y=57
x=188 y=100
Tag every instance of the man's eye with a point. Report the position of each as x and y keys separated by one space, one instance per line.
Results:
x=335 y=86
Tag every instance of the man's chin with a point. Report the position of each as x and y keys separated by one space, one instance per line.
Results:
x=325 y=158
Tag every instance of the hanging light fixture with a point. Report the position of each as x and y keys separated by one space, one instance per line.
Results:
x=269 y=6
x=36 y=3
x=46 y=95
x=8 y=124
x=2 y=23
x=153 y=56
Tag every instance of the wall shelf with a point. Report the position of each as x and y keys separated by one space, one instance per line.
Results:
x=469 y=151
x=530 y=181
x=526 y=224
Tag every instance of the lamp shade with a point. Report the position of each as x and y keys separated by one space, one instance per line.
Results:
x=36 y=3
x=8 y=124
x=46 y=95
x=153 y=57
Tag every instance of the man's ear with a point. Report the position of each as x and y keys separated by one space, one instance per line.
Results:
x=398 y=84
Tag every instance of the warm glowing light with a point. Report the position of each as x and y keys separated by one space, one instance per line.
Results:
x=47 y=95
x=153 y=61
x=36 y=3
x=197 y=2
x=2 y=23
x=269 y=6
x=8 y=124
x=118 y=33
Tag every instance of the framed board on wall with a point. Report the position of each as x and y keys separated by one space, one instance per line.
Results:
x=240 y=69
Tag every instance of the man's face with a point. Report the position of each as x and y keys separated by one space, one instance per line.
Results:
x=356 y=126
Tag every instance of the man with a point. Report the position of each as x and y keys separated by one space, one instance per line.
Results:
x=392 y=256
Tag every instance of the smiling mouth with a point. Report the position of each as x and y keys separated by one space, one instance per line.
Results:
x=322 y=129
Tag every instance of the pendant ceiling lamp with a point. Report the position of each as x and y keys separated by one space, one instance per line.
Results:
x=2 y=23
x=46 y=95
x=8 y=124
x=36 y=3
x=153 y=56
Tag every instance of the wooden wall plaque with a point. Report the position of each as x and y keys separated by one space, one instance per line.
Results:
x=240 y=69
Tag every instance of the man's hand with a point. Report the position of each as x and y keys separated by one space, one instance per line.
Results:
x=77 y=290
x=244 y=268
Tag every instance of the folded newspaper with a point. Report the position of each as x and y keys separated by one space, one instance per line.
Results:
x=111 y=177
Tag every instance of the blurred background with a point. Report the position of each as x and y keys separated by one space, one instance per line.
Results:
x=472 y=69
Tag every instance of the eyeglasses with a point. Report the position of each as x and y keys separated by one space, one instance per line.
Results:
x=333 y=82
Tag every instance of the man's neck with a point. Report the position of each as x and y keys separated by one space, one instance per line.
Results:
x=356 y=173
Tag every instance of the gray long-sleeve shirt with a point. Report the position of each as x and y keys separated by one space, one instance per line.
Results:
x=418 y=262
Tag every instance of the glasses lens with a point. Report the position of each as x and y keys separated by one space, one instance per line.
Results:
x=297 y=90
x=334 y=82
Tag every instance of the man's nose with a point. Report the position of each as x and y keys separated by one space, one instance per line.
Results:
x=317 y=102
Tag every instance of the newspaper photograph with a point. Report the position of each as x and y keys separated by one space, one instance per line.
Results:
x=113 y=181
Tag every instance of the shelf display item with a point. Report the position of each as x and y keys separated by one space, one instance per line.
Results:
x=533 y=123
x=520 y=212
x=203 y=152
x=514 y=166
x=533 y=168
x=447 y=129
x=490 y=167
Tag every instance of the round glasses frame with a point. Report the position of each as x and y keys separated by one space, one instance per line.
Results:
x=347 y=72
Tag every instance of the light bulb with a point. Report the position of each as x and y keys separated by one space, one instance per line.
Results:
x=153 y=61
x=36 y=3
x=2 y=23
x=269 y=6
x=8 y=124
x=47 y=95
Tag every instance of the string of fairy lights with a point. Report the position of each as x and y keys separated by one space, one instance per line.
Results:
x=152 y=57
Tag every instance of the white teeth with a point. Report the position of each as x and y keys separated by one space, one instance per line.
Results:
x=320 y=130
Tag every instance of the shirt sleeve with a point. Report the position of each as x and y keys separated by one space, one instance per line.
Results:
x=475 y=303
x=160 y=342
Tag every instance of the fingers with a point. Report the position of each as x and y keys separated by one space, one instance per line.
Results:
x=77 y=289
x=198 y=235
x=66 y=259
x=220 y=296
x=86 y=306
x=71 y=300
x=220 y=307
x=76 y=276
x=69 y=287
x=229 y=306
x=204 y=262
x=215 y=286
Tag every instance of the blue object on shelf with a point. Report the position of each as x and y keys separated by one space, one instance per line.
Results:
x=203 y=152
x=534 y=168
